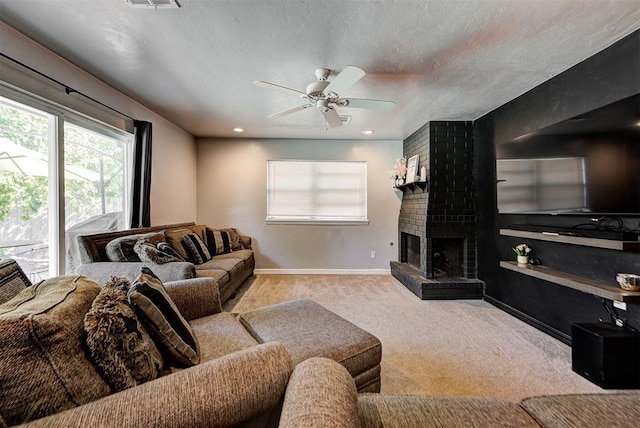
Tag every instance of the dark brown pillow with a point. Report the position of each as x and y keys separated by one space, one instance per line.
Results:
x=120 y=346
x=163 y=320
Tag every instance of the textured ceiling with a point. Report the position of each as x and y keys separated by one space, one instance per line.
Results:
x=437 y=59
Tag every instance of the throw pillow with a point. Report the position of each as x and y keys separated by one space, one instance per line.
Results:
x=44 y=368
x=121 y=249
x=163 y=320
x=234 y=238
x=218 y=242
x=168 y=249
x=198 y=251
x=149 y=252
x=174 y=238
x=12 y=280
x=119 y=344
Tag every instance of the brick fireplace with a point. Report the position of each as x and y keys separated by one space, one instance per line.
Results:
x=437 y=236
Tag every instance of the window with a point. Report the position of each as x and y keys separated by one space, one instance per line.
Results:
x=61 y=175
x=319 y=192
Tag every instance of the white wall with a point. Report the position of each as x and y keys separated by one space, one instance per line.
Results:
x=173 y=185
x=232 y=175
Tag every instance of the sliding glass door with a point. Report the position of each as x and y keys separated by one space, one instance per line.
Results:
x=61 y=176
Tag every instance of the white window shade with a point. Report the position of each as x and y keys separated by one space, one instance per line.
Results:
x=317 y=192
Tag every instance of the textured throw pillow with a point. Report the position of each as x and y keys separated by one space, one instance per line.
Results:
x=218 y=241
x=163 y=320
x=168 y=249
x=234 y=238
x=149 y=252
x=44 y=367
x=120 y=346
x=121 y=249
x=12 y=280
x=198 y=251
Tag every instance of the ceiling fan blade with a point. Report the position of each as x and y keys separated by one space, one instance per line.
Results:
x=289 y=111
x=370 y=104
x=345 y=79
x=289 y=91
x=332 y=118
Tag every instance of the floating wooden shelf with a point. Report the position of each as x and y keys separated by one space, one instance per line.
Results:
x=421 y=184
x=575 y=240
x=602 y=289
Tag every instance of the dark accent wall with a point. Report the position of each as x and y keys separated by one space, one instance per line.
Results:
x=608 y=76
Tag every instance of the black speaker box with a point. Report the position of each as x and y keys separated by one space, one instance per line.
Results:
x=606 y=354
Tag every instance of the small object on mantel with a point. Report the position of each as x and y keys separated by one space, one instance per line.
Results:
x=628 y=281
x=535 y=261
x=423 y=174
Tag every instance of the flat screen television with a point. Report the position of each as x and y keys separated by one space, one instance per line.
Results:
x=589 y=164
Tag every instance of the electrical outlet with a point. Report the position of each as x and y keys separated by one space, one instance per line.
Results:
x=373 y=254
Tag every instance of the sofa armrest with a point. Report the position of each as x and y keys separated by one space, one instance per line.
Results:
x=321 y=393
x=196 y=297
x=102 y=272
x=222 y=392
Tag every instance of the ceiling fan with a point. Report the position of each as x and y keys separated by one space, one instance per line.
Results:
x=324 y=95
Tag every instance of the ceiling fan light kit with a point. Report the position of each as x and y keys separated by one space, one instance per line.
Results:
x=324 y=95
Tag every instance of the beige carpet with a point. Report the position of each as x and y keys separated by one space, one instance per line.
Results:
x=452 y=348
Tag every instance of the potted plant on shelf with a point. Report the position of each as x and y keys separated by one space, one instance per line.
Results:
x=522 y=251
x=399 y=171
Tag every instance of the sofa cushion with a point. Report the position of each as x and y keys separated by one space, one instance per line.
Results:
x=121 y=249
x=378 y=410
x=218 y=241
x=240 y=254
x=43 y=365
x=162 y=319
x=149 y=252
x=119 y=344
x=227 y=264
x=12 y=280
x=220 y=276
x=219 y=335
x=577 y=410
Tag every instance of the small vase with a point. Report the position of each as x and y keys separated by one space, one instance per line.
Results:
x=399 y=181
x=523 y=260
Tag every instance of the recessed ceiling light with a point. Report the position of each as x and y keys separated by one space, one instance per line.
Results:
x=238 y=129
x=368 y=131
x=153 y=4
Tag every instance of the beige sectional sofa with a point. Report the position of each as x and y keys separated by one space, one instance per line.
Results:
x=228 y=270
x=320 y=393
x=240 y=380
x=49 y=379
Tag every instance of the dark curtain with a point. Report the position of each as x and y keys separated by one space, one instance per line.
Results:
x=141 y=194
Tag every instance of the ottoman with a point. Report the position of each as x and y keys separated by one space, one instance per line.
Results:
x=308 y=330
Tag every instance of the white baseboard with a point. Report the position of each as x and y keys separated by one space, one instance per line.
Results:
x=322 y=271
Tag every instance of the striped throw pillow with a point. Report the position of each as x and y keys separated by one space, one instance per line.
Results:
x=163 y=320
x=218 y=241
x=196 y=248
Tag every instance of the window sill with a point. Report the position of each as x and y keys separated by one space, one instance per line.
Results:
x=318 y=222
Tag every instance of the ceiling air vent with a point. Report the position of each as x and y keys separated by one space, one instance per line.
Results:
x=153 y=4
x=345 y=119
